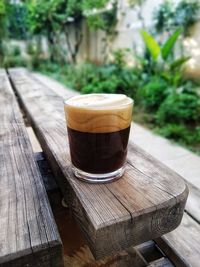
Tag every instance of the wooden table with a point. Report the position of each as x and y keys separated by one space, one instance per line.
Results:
x=28 y=233
x=146 y=203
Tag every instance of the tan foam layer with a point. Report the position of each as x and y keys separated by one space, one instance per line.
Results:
x=98 y=117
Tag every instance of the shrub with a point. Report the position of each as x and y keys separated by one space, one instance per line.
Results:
x=105 y=86
x=193 y=137
x=119 y=58
x=189 y=136
x=162 y=100
x=197 y=134
x=30 y=48
x=173 y=131
x=153 y=93
x=17 y=61
x=83 y=75
x=128 y=82
x=179 y=108
x=15 y=52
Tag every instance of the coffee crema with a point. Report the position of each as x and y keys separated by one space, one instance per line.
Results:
x=99 y=113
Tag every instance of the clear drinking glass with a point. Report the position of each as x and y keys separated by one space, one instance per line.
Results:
x=98 y=130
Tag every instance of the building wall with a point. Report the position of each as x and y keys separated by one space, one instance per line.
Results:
x=128 y=36
x=128 y=28
x=192 y=46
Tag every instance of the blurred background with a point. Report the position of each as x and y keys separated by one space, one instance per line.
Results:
x=147 y=49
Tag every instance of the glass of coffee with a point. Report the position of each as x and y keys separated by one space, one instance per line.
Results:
x=98 y=130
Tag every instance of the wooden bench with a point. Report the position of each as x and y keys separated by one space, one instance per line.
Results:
x=179 y=250
x=28 y=233
x=146 y=203
x=182 y=245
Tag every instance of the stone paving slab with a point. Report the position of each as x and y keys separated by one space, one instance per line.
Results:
x=156 y=145
x=181 y=160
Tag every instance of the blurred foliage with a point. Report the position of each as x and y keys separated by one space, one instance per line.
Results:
x=103 y=19
x=164 y=98
x=2 y=27
x=179 y=108
x=187 y=14
x=170 y=14
x=53 y=17
x=90 y=4
x=189 y=137
x=13 y=57
x=17 y=61
x=167 y=100
x=164 y=51
x=17 y=24
x=164 y=74
x=153 y=93
x=163 y=17
x=164 y=92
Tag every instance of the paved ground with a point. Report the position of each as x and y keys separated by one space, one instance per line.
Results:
x=181 y=160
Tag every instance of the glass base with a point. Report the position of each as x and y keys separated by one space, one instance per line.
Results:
x=98 y=178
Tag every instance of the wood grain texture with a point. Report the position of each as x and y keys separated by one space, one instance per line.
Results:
x=182 y=245
x=193 y=201
x=147 y=202
x=76 y=251
x=28 y=233
x=47 y=176
x=181 y=255
x=163 y=262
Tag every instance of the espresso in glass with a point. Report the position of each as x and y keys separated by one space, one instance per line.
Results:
x=98 y=130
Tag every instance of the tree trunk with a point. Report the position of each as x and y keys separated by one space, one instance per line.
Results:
x=69 y=47
x=51 y=46
x=78 y=36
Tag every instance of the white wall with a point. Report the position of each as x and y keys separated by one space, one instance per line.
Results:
x=129 y=35
x=192 y=46
x=128 y=29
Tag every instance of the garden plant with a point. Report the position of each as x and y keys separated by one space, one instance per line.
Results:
x=165 y=99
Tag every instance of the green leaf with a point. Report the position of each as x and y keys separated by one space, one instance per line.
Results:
x=178 y=62
x=151 y=44
x=2 y=8
x=169 y=44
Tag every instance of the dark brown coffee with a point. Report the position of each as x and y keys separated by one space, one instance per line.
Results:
x=98 y=152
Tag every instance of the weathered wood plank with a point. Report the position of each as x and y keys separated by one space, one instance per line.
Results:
x=47 y=176
x=182 y=245
x=76 y=251
x=28 y=233
x=142 y=205
x=193 y=201
x=149 y=251
x=179 y=253
x=163 y=262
